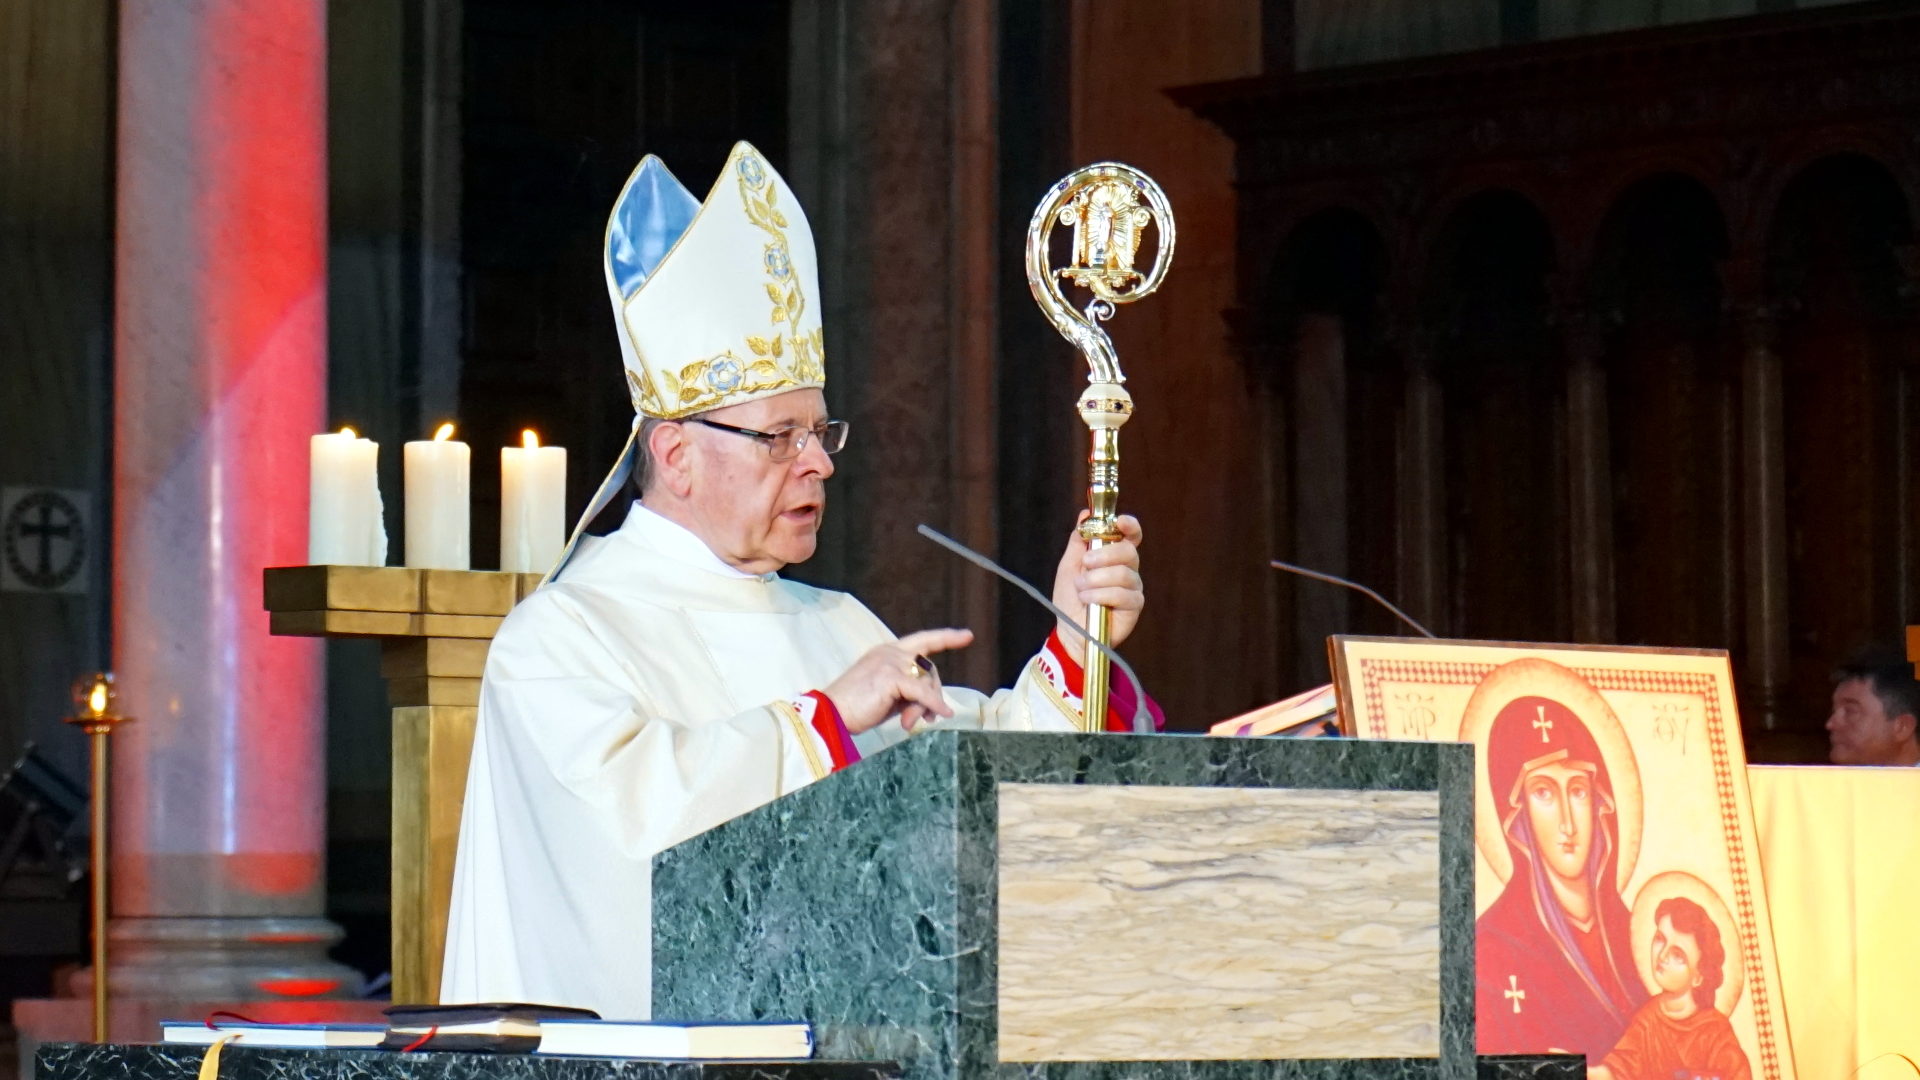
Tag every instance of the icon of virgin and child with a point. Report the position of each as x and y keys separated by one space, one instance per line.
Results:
x=1563 y=961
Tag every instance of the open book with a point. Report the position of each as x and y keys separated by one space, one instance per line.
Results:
x=1307 y=714
x=280 y=1036
x=698 y=1042
x=501 y=1027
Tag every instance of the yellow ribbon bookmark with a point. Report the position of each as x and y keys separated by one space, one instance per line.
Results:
x=210 y=1065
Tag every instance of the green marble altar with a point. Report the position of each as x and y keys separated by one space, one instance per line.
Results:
x=1091 y=906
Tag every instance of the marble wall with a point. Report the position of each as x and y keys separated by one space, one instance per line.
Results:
x=1170 y=923
x=79 y=1061
x=872 y=902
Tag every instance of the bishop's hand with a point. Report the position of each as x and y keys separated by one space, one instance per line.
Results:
x=890 y=680
x=1108 y=575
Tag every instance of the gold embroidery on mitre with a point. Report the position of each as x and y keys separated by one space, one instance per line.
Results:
x=645 y=401
x=703 y=384
x=785 y=358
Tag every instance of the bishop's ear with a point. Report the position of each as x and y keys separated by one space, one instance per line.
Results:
x=670 y=454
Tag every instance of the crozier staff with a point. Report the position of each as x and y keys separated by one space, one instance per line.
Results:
x=666 y=678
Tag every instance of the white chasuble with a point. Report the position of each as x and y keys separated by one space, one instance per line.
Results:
x=651 y=693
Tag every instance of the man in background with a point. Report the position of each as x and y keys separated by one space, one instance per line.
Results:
x=1875 y=705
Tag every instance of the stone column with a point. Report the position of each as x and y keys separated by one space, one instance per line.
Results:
x=1764 y=502
x=1589 y=477
x=892 y=152
x=1320 y=505
x=220 y=376
x=1422 y=488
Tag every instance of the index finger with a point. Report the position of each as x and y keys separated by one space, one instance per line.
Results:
x=933 y=641
x=1129 y=528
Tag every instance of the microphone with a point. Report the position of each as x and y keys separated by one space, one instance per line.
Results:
x=1356 y=587
x=1142 y=720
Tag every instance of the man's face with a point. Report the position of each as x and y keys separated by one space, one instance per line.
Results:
x=757 y=513
x=1559 y=802
x=1676 y=959
x=1859 y=731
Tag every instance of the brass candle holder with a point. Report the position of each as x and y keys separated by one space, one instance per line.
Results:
x=1110 y=206
x=94 y=700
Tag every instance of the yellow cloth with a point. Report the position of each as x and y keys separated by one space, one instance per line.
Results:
x=1841 y=851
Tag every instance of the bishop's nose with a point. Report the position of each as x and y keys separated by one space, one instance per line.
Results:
x=814 y=459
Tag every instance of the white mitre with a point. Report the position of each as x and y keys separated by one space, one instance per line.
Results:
x=714 y=301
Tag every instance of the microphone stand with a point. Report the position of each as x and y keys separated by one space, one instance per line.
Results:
x=1356 y=587
x=1142 y=720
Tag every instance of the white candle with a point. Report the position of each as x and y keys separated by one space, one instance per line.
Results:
x=346 y=524
x=533 y=505
x=437 y=512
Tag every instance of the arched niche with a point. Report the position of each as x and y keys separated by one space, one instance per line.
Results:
x=1837 y=284
x=1656 y=297
x=1495 y=356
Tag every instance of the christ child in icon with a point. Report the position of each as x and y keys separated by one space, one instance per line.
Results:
x=1679 y=1033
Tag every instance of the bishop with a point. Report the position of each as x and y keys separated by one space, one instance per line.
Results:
x=666 y=677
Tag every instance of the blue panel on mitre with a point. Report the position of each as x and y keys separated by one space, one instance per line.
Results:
x=652 y=213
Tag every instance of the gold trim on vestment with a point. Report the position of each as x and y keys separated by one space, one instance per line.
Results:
x=803 y=732
x=1053 y=695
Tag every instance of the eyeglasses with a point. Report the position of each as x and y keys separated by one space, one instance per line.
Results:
x=789 y=443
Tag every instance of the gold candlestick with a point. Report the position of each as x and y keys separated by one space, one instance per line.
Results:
x=1110 y=207
x=93 y=697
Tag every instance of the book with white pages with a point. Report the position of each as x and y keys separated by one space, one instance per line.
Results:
x=1309 y=713
x=281 y=1036
x=677 y=1042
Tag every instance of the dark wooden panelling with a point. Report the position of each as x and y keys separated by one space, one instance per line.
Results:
x=56 y=289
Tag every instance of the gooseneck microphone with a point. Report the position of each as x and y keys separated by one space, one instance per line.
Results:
x=1142 y=720
x=1356 y=587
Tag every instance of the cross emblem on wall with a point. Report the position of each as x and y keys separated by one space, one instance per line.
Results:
x=1542 y=725
x=43 y=540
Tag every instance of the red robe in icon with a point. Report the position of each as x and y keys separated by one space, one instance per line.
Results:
x=1658 y=1047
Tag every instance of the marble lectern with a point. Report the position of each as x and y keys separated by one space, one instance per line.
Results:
x=1091 y=906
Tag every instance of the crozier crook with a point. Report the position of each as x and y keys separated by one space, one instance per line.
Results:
x=1110 y=207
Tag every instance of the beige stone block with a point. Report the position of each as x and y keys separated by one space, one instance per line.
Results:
x=431 y=691
x=341 y=588
x=468 y=592
x=1260 y=923
x=455 y=626
x=340 y=623
x=434 y=657
x=431 y=744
